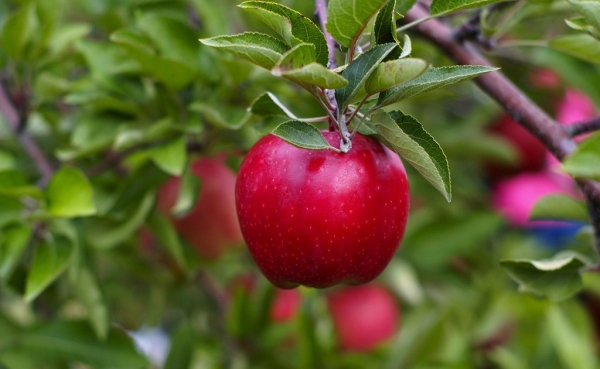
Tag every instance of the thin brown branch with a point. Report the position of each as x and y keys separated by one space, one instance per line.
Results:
x=581 y=128
x=524 y=111
x=14 y=120
x=321 y=12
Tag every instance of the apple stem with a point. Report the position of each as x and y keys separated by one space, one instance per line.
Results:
x=346 y=141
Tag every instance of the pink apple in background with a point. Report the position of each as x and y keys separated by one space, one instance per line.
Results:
x=515 y=197
x=211 y=226
x=544 y=78
x=575 y=107
x=363 y=316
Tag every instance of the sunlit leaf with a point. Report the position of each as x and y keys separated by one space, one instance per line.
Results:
x=346 y=20
x=70 y=194
x=302 y=135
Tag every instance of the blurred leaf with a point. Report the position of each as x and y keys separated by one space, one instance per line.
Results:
x=441 y=7
x=432 y=79
x=295 y=28
x=66 y=35
x=393 y=73
x=70 y=194
x=267 y=104
x=75 y=341
x=590 y=10
x=7 y=161
x=12 y=210
x=189 y=190
x=182 y=349
x=260 y=49
x=406 y=136
x=346 y=20
x=106 y=232
x=559 y=207
x=18 y=29
x=13 y=183
x=50 y=260
x=169 y=71
x=88 y=292
x=302 y=135
x=556 y=278
x=13 y=242
x=580 y=24
x=314 y=74
x=359 y=70
x=138 y=184
x=225 y=117
x=583 y=162
x=106 y=59
x=580 y=45
x=403 y=6
x=170 y=157
x=575 y=350
x=167 y=235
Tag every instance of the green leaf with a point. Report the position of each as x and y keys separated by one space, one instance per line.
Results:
x=70 y=194
x=346 y=20
x=559 y=207
x=7 y=161
x=267 y=105
x=189 y=189
x=167 y=235
x=590 y=10
x=384 y=31
x=314 y=74
x=406 y=136
x=50 y=260
x=88 y=292
x=583 y=162
x=394 y=73
x=580 y=24
x=432 y=79
x=225 y=117
x=105 y=59
x=403 y=6
x=302 y=135
x=258 y=48
x=105 y=233
x=442 y=7
x=13 y=242
x=574 y=348
x=580 y=45
x=14 y=183
x=301 y=29
x=296 y=57
x=182 y=349
x=171 y=157
x=557 y=278
x=75 y=341
x=359 y=70
x=18 y=29
x=171 y=72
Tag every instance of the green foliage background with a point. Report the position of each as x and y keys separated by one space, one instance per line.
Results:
x=120 y=95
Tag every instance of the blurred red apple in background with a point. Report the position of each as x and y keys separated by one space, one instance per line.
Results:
x=531 y=153
x=363 y=316
x=211 y=225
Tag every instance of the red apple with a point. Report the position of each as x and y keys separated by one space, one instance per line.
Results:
x=320 y=217
x=531 y=153
x=363 y=316
x=211 y=226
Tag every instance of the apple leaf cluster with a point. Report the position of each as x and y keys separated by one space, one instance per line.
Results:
x=379 y=74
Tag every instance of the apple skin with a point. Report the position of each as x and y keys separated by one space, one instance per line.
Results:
x=530 y=151
x=211 y=226
x=318 y=217
x=363 y=316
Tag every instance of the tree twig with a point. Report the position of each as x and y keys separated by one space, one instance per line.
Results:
x=581 y=128
x=321 y=12
x=14 y=121
x=524 y=111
